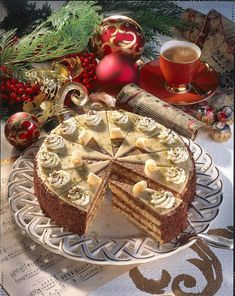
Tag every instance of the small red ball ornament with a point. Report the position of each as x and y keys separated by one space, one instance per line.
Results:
x=118 y=34
x=115 y=71
x=22 y=130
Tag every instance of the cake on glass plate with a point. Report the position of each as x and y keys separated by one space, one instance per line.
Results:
x=148 y=168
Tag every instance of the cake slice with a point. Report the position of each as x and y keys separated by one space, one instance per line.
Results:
x=56 y=144
x=94 y=131
x=78 y=205
x=159 y=170
x=71 y=197
x=120 y=123
x=78 y=130
x=147 y=135
x=160 y=213
x=58 y=180
x=173 y=156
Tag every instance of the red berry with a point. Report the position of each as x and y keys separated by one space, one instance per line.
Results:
x=29 y=90
x=13 y=95
x=18 y=99
x=91 y=73
x=12 y=88
x=14 y=81
x=20 y=91
x=20 y=84
x=85 y=81
x=88 y=85
x=27 y=99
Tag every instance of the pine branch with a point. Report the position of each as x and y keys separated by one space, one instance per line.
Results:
x=67 y=31
x=158 y=6
x=7 y=40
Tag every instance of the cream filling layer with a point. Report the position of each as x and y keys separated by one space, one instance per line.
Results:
x=144 y=227
x=137 y=209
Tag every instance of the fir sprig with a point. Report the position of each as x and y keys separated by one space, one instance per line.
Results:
x=66 y=31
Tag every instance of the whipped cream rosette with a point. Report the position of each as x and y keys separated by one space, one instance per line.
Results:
x=79 y=195
x=49 y=160
x=55 y=142
x=162 y=199
x=178 y=154
x=168 y=136
x=68 y=128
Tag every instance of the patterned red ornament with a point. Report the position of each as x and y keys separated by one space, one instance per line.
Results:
x=118 y=34
x=22 y=130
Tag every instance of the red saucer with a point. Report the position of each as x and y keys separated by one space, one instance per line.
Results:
x=203 y=86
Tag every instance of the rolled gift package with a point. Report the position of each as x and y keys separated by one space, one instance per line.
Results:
x=134 y=99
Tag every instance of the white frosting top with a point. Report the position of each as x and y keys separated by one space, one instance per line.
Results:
x=176 y=175
x=68 y=127
x=162 y=199
x=146 y=124
x=79 y=195
x=119 y=117
x=168 y=136
x=54 y=142
x=93 y=118
x=178 y=154
x=49 y=159
x=59 y=178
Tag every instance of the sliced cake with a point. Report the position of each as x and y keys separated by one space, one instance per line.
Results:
x=160 y=213
x=84 y=154
x=94 y=126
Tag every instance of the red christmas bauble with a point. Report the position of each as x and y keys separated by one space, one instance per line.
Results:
x=22 y=130
x=115 y=71
x=118 y=34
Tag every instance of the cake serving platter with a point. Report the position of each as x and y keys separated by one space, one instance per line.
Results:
x=111 y=238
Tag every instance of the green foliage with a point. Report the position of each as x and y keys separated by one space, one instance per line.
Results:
x=23 y=15
x=66 y=31
x=69 y=29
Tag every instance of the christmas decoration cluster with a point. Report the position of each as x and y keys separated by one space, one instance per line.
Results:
x=104 y=63
x=101 y=56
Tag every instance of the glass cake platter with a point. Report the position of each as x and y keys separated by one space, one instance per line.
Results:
x=111 y=238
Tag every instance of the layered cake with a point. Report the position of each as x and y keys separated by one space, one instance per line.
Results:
x=160 y=213
x=148 y=168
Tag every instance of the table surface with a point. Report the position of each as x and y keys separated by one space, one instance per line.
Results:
x=165 y=276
